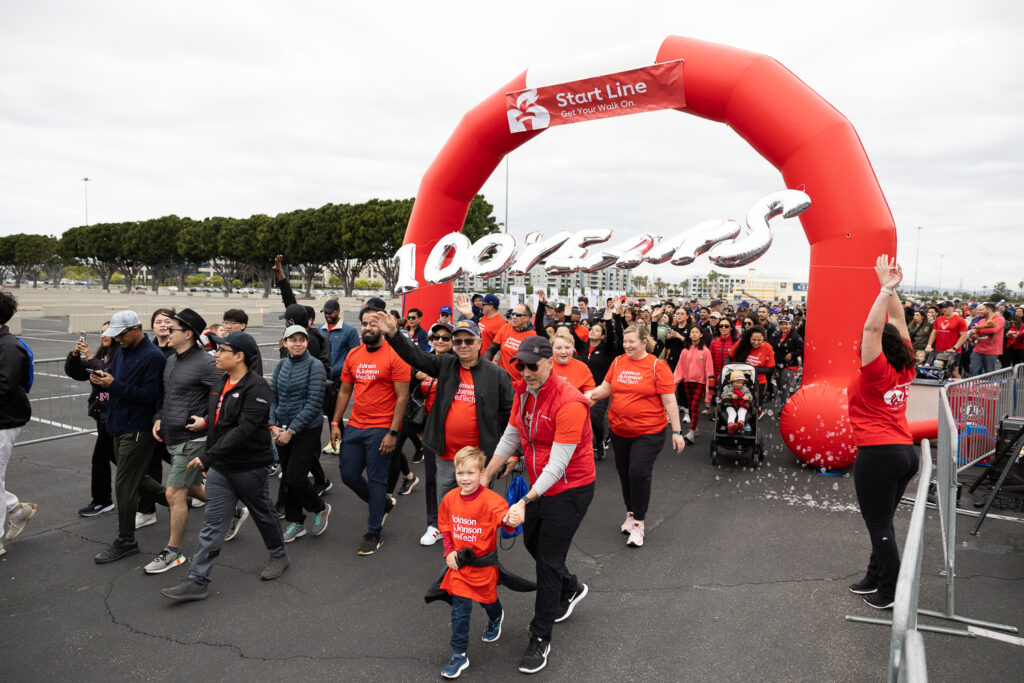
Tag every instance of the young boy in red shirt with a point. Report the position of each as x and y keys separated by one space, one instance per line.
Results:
x=469 y=518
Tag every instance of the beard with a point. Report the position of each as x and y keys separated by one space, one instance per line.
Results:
x=371 y=338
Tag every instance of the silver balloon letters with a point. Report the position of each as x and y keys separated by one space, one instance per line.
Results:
x=726 y=242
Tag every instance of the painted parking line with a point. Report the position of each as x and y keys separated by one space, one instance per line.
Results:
x=72 y=428
x=51 y=398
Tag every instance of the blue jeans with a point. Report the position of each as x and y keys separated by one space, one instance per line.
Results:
x=982 y=363
x=360 y=450
x=461 y=608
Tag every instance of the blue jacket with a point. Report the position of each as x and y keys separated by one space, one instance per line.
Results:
x=298 y=387
x=343 y=339
x=137 y=387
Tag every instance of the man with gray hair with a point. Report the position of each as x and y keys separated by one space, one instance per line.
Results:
x=135 y=385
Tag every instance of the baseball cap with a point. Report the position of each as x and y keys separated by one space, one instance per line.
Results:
x=296 y=329
x=121 y=321
x=715 y=314
x=446 y=310
x=192 y=320
x=442 y=325
x=466 y=326
x=944 y=304
x=331 y=305
x=295 y=313
x=533 y=349
x=376 y=303
x=786 y=319
x=575 y=310
x=492 y=300
x=240 y=341
x=560 y=308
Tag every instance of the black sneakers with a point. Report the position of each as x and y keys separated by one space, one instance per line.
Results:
x=408 y=485
x=186 y=590
x=571 y=602
x=116 y=551
x=94 y=509
x=389 y=506
x=371 y=544
x=536 y=656
x=865 y=586
x=877 y=601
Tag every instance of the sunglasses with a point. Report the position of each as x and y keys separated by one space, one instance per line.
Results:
x=726 y=326
x=464 y=341
x=520 y=365
x=518 y=315
x=748 y=324
x=441 y=337
x=175 y=329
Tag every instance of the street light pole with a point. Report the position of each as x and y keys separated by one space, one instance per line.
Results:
x=917 y=259
x=940 y=273
x=86 y=181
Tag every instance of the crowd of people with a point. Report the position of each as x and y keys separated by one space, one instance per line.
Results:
x=478 y=395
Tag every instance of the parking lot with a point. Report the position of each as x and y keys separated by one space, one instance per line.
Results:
x=743 y=577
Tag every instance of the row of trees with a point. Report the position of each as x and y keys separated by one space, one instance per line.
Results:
x=343 y=238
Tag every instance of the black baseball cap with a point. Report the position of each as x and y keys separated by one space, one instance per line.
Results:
x=376 y=303
x=239 y=341
x=331 y=305
x=296 y=313
x=533 y=349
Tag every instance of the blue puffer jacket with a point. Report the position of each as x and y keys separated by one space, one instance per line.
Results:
x=298 y=386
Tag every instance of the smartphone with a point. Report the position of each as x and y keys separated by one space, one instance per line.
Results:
x=81 y=336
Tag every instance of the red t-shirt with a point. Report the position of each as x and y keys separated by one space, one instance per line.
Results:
x=428 y=389
x=878 y=403
x=509 y=341
x=577 y=373
x=472 y=522
x=228 y=386
x=947 y=331
x=991 y=344
x=372 y=375
x=637 y=385
x=761 y=357
x=489 y=327
x=460 y=426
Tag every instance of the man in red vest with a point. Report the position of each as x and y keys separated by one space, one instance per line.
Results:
x=550 y=421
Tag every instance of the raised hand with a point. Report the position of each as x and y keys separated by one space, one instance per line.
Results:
x=464 y=306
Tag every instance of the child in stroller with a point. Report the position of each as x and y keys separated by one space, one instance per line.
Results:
x=936 y=365
x=737 y=400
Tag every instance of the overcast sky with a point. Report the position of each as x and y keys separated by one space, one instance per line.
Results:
x=232 y=108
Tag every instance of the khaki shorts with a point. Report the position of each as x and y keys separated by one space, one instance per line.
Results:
x=181 y=477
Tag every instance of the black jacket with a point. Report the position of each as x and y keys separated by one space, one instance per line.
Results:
x=188 y=380
x=240 y=440
x=15 y=410
x=78 y=368
x=491 y=385
x=600 y=359
x=792 y=344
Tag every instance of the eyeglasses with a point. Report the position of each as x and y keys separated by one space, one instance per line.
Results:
x=175 y=329
x=518 y=315
x=463 y=341
x=440 y=337
x=224 y=349
x=726 y=326
x=532 y=367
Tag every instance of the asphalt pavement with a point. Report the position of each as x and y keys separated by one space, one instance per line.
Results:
x=742 y=577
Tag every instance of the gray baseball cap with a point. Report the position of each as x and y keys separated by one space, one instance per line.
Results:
x=121 y=321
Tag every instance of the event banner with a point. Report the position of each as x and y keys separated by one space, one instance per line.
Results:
x=628 y=92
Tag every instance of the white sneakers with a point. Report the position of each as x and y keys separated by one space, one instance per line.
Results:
x=142 y=520
x=636 y=535
x=627 y=526
x=690 y=436
x=430 y=536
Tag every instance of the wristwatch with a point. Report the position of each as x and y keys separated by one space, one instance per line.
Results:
x=679 y=432
x=393 y=432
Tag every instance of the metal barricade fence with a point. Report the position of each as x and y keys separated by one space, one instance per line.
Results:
x=904 y=638
x=970 y=407
x=60 y=405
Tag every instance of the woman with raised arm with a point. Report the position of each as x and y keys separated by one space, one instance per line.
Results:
x=886 y=459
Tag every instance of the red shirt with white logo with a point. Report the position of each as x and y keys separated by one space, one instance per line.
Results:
x=460 y=426
x=878 y=403
x=637 y=385
x=947 y=331
x=471 y=522
x=509 y=340
x=372 y=375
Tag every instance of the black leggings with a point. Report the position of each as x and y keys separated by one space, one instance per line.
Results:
x=634 y=459
x=398 y=463
x=297 y=458
x=881 y=475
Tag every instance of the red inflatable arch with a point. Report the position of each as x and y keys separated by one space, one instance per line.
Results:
x=814 y=146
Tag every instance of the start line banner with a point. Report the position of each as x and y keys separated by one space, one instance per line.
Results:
x=649 y=88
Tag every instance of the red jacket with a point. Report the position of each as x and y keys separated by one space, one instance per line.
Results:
x=539 y=435
x=719 y=354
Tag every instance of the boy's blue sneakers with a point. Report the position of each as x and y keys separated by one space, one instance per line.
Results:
x=456 y=666
x=493 y=630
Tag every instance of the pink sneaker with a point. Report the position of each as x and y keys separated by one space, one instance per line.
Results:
x=636 y=535
x=627 y=526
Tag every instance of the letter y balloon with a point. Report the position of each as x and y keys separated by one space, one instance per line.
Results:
x=727 y=244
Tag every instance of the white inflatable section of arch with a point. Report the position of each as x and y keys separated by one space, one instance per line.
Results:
x=609 y=61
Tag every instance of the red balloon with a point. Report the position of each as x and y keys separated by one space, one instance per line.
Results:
x=814 y=146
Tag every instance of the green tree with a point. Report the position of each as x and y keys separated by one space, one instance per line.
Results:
x=1000 y=290
x=6 y=255
x=306 y=235
x=95 y=246
x=384 y=222
x=197 y=244
x=31 y=253
x=155 y=244
x=349 y=247
x=128 y=255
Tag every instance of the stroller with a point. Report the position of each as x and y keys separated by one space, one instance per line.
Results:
x=938 y=366
x=747 y=438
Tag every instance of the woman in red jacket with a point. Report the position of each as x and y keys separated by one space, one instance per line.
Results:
x=693 y=372
x=886 y=459
x=720 y=347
